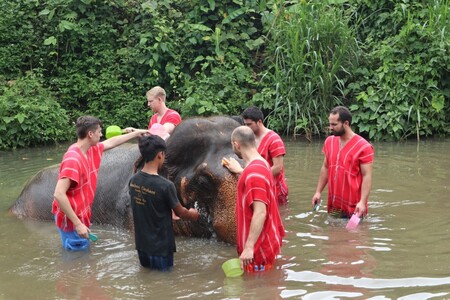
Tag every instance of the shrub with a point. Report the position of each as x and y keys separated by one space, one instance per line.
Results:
x=30 y=115
x=404 y=78
x=311 y=53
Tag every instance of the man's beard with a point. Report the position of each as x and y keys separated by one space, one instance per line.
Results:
x=338 y=133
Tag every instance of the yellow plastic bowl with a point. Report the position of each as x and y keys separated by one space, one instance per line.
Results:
x=232 y=268
x=113 y=131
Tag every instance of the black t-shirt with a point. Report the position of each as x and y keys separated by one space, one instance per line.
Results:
x=152 y=199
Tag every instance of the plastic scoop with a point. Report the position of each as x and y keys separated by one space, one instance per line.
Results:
x=232 y=268
x=93 y=237
x=112 y=131
x=316 y=206
x=353 y=222
x=160 y=130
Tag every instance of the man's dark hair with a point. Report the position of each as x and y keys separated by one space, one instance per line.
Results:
x=253 y=113
x=85 y=124
x=150 y=146
x=344 y=114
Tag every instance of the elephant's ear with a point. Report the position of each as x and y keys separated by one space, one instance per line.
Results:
x=203 y=186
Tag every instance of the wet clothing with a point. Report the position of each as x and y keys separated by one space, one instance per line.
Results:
x=171 y=116
x=152 y=199
x=272 y=146
x=70 y=240
x=163 y=263
x=256 y=183
x=83 y=171
x=344 y=172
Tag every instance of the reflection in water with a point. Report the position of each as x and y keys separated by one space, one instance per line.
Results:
x=366 y=283
x=399 y=252
x=74 y=283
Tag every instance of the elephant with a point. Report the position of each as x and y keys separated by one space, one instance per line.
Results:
x=193 y=162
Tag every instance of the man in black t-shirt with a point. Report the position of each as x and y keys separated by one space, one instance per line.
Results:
x=152 y=199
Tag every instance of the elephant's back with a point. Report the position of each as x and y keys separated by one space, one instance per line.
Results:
x=196 y=136
x=35 y=200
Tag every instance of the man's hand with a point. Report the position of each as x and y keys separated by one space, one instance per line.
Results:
x=82 y=230
x=246 y=257
x=232 y=165
x=360 y=209
x=316 y=199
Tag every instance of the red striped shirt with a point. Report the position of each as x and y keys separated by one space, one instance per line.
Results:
x=344 y=171
x=272 y=146
x=83 y=172
x=256 y=183
x=171 y=116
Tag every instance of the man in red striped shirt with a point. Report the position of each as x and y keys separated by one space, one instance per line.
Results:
x=271 y=147
x=259 y=227
x=77 y=181
x=347 y=168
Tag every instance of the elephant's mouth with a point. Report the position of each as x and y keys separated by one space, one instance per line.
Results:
x=193 y=196
x=204 y=221
x=203 y=227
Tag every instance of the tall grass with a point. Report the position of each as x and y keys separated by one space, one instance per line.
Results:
x=313 y=51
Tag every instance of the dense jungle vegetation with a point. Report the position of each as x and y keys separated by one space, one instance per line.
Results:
x=387 y=60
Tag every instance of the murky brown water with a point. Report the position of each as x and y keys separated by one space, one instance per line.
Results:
x=402 y=251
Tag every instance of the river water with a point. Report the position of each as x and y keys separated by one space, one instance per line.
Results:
x=401 y=251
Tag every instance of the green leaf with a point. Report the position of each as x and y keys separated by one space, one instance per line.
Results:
x=7 y=120
x=212 y=4
x=20 y=117
x=200 y=27
x=254 y=44
x=438 y=102
x=65 y=25
x=50 y=41
x=233 y=15
x=44 y=12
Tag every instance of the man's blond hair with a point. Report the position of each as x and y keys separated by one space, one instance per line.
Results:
x=157 y=91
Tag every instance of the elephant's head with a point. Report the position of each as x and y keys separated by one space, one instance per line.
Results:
x=193 y=162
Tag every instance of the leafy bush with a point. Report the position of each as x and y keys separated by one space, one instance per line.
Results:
x=387 y=60
x=30 y=114
x=403 y=87
x=222 y=92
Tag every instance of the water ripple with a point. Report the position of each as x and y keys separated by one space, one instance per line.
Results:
x=368 y=283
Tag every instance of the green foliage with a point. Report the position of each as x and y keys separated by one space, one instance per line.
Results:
x=221 y=41
x=404 y=81
x=387 y=60
x=18 y=38
x=30 y=114
x=311 y=52
x=222 y=92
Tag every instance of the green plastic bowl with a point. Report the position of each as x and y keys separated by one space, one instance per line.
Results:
x=232 y=268
x=113 y=131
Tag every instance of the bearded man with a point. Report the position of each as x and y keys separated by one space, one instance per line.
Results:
x=347 y=168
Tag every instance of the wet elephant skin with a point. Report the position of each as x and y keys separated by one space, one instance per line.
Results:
x=193 y=163
x=111 y=202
